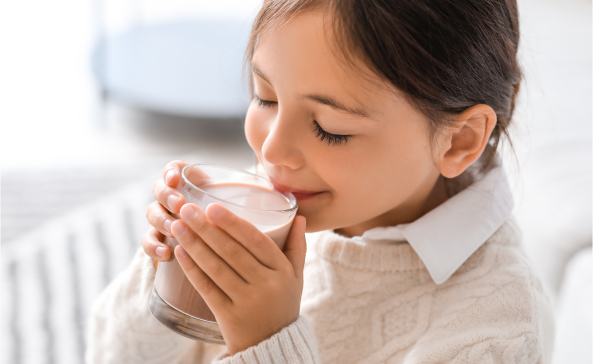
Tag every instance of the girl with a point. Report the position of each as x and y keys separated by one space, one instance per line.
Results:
x=383 y=119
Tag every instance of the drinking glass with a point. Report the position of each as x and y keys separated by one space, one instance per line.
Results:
x=174 y=301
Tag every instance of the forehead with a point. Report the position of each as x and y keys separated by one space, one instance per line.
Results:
x=302 y=54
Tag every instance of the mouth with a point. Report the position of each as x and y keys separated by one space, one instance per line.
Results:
x=299 y=194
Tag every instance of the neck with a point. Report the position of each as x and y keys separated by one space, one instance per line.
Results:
x=425 y=200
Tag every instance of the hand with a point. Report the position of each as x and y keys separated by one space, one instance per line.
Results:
x=251 y=286
x=168 y=200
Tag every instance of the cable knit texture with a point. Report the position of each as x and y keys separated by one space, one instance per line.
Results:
x=122 y=329
x=294 y=344
x=363 y=303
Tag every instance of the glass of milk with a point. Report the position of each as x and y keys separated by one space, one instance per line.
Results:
x=174 y=301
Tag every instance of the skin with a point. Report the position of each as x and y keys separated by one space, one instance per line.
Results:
x=387 y=173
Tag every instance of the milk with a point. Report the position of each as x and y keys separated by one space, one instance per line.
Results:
x=256 y=204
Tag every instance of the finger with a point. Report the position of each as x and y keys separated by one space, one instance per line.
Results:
x=169 y=197
x=256 y=242
x=225 y=246
x=296 y=246
x=217 y=269
x=210 y=292
x=152 y=244
x=159 y=217
x=196 y=176
x=172 y=172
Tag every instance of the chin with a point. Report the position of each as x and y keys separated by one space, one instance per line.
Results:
x=315 y=221
x=312 y=221
x=313 y=228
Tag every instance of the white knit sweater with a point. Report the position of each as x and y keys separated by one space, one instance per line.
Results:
x=361 y=303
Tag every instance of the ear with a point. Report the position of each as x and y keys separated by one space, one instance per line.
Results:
x=463 y=143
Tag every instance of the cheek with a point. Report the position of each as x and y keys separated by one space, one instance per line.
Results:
x=381 y=161
x=256 y=128
x=379 y=174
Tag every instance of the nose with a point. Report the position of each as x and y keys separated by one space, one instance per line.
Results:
x=281 y=146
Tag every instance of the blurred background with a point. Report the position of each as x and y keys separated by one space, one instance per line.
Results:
x=96 y=96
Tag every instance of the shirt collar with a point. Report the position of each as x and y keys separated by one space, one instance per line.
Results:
x=447 y=236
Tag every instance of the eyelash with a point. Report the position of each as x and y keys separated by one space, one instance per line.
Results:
x=324 y=136
x=329 y=138
x=264 y=103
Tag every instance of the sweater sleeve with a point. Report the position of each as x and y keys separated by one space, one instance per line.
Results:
x=121 y=328
x=293 y=344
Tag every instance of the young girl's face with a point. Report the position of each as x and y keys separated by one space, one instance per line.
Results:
x=351 y=149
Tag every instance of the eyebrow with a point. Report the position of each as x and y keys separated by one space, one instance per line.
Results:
x=258 y=72
x=320 y=99
x=335 y=104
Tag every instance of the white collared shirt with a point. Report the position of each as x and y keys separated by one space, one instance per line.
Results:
x=447 y=236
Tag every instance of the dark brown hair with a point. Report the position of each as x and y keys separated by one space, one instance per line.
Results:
x=444 y=55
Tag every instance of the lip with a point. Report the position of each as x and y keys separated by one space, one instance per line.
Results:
x=300 y=195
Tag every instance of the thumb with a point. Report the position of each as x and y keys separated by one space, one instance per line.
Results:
x=296 y=246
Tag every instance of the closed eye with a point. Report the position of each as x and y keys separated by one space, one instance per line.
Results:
x=264 y=103
x=329 y=138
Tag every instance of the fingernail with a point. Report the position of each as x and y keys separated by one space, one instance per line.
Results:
x=160 y=251
x=215 y=211
x=188 y=213
x=178 y=229
x=169 y=175
x=167 y=225
x=172 y=201
x=181 y=252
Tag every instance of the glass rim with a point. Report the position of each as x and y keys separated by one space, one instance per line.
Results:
x=291 y=196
